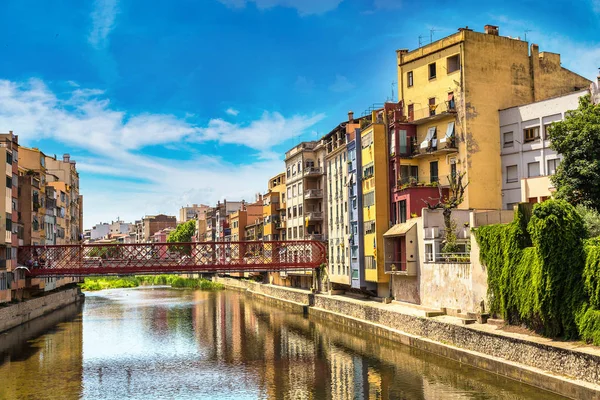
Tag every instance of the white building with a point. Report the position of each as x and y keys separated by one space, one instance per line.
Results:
x=119 y=227
x=338 y=230
x=99 y=231
x=595 y=90
x=527 y=159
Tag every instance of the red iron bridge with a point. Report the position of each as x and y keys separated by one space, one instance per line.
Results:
x=170 y=258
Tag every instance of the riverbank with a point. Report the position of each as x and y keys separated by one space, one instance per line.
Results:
x=571 y=369
x=93 y=284
x=23 y=312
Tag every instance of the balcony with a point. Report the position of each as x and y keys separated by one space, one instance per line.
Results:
x=409 y=150
x=315 y=236
x=313 y=171
x=313 y=194
x=432 y=113
x=314 y=215
x=398 y=267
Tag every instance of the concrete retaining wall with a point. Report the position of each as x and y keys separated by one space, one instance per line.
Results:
x=17 y=314
x=293 y=295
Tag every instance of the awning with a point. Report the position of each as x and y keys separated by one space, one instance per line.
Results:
x=450 y=130
x=401 y=229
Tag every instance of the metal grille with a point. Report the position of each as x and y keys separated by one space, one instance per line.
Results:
x=153 y=258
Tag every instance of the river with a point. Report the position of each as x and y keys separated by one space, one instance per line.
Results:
x=160 y=343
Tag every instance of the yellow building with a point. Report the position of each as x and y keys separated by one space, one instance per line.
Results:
x=62 y=194
x=452 y=90
x=274 y=209
x=32 y=166
x=375 y=201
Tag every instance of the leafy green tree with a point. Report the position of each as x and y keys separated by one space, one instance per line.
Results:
x=577 y=138
x=591 y=220
x=183 y=233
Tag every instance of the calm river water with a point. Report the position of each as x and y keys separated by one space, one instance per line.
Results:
x=158 y=343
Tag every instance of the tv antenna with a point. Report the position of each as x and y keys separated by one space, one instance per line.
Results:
x=393 y=83
x=420 y=40
x=526 y=30
x=431 y=34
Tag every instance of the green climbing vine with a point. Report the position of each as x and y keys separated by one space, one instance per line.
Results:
x=542 y=272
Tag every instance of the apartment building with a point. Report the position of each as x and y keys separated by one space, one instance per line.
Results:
x=32 y=168
x=375 y=194
x=194 y=211
x=65 y=170
x=338 y=227
x=527 y=159
x=100 y=231
x=355 y=214
x=451 y=91
x=249 y=214
x=274 y=209
x=306 y=191
x=50 y=226
x=10 y=278
x=154 y=223
x=61 y=203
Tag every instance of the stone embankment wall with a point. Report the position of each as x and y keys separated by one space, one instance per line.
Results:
x=20 y=313
x=569 y=372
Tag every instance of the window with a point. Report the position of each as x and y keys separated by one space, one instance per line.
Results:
x=450 y=102
x=300 y=232
x=552 y=165
x=299 y=166
x=453 y=170
x=369 y=199
x=531 y=134
x=511 y=206
x=432 y=71
x=294 y=170
x=370 y=262
x=294 y=191
x=429 y=252
x=288 y=172
x=411 y=112
x=289 y=212
x=432 y=106
x=295 y=232
x=8 y=222
x=508 y=139
x=409 y=79
x=289 y=234
x=295 y=211
x=300 y=210
x=533 y=169
x=289 y=192
x=403 y=141
x=512 y=174
x=402 y=211
x=367 y=140
x=9 y=157
x=300 y=189
x=546 y=127
x=393 y=143
x=368 y=171
x=453 y=63
x=433 y=172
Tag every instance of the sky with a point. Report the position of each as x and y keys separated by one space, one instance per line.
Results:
x=168 y=103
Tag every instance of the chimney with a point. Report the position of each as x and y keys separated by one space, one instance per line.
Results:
x=491 y=30
x=350 y=115
x=66 y=157
x=466 y=28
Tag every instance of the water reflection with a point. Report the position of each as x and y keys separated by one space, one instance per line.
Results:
x=161 y=343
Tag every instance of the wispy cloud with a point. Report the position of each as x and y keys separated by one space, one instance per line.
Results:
x=304 y=7
x=103 y=21
x=232 y=111
x=304 y=84
x=596 y=6
x=341 y=84
x=111 y=143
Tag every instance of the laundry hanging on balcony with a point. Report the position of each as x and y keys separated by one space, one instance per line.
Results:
x=430 y=140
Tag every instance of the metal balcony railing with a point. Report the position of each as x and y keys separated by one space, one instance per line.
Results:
x=313 y=171
x=313 y=193
x=314 y=215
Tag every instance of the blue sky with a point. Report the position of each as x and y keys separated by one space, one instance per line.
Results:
x=166 y=103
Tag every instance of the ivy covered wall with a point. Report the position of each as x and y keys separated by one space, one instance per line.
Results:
x=542 y=272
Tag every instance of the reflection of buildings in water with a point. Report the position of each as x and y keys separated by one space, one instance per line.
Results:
x=53 y=361
x=342 y=374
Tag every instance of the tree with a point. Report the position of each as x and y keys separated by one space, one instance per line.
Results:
x=446 y=204
x=183 y=233
x=577 y=138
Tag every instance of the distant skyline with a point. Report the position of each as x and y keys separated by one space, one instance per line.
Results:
x=165 y=103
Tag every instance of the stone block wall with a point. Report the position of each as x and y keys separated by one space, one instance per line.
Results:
x=20 y=313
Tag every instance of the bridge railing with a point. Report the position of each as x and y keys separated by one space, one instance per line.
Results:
x=147 y=258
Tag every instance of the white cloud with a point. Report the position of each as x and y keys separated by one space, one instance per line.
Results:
x=341 y=84
x=304 y=84
x=117 y=178
x=304 y=7
x=103 y=21
x=232 y=111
